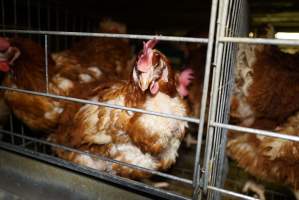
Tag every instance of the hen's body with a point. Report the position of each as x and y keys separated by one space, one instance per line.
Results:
x=28 y=72
x=266 y=97
x=143 y=140
x=267 y=84
x=267 y=158
x=112 y=56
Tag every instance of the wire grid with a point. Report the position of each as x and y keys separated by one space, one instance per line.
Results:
x=232 y=29
x=43 y=15
x=223 y=80
x=234 y=183
x=52 y=32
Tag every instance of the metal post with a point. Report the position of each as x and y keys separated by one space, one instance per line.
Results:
x=212 y=115
x=46 y=63
x=197 y=170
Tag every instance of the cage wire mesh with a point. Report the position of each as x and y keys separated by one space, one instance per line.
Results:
x=55 y=28
x=232 y=31
x=232 y=21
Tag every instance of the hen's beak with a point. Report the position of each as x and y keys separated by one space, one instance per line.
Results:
x=144 y=80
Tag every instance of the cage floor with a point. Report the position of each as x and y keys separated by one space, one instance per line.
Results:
x=183 y=168
x=25 y=178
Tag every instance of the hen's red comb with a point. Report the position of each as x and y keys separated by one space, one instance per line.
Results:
x=4 y=66
x=144 y=61
x=185 y=78
x=4 y=44
x=149 y=44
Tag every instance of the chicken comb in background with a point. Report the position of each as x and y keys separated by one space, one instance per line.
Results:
x=37 y=112
x=185 y=79
x=140 y=139
x=4 y=67
x=8 y=54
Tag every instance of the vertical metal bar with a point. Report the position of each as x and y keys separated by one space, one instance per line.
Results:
x=22 y=133
x=11 y=128
x=224 y=102
x=81 y=23
x=89 y=26
x=29 y=14
x=57 y=29
x=46 y=62
x=65 y=25
x=209 y=137
x=73 y=27
x=29 y=17
x=212 y=114
x=35 y=146
x=3 y=16
x=48 y=17
x=38 y=16
x=197 y=169
x=39 y=20
x=15 y=14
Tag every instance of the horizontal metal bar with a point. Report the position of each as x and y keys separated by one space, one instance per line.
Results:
x=260 y=41
x=256 y=131
x=231 y=193
x=189 y=119
x=124 y=182
x=175 y=178
x=110 y=35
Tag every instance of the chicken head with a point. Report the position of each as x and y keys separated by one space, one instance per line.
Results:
x=152 y=66
x=8 y=54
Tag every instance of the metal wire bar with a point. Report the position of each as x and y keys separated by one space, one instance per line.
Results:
x=256 y=131
x=3 y=16
x=46 y=62
x=231 y=193
x=94 y=173
x=28 y=5
x=73 y=28
x=189 y=119
x=288 y=42
x=57 y=46
x=236 y=19
x=11 y=127
x=224 y=100
x=65 y=24
x=221 y=29
x=197 y=170
x=220 y=141
x=48 y=16
x=227 y=30
x=27 y=143
x=39 y=20
x=110 y=35
x=217 y=137
x=15 y=12
x=161 y=174
x=28 y=14
x=22 y=133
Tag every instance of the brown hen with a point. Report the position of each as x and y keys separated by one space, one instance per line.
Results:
x=144 y=140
